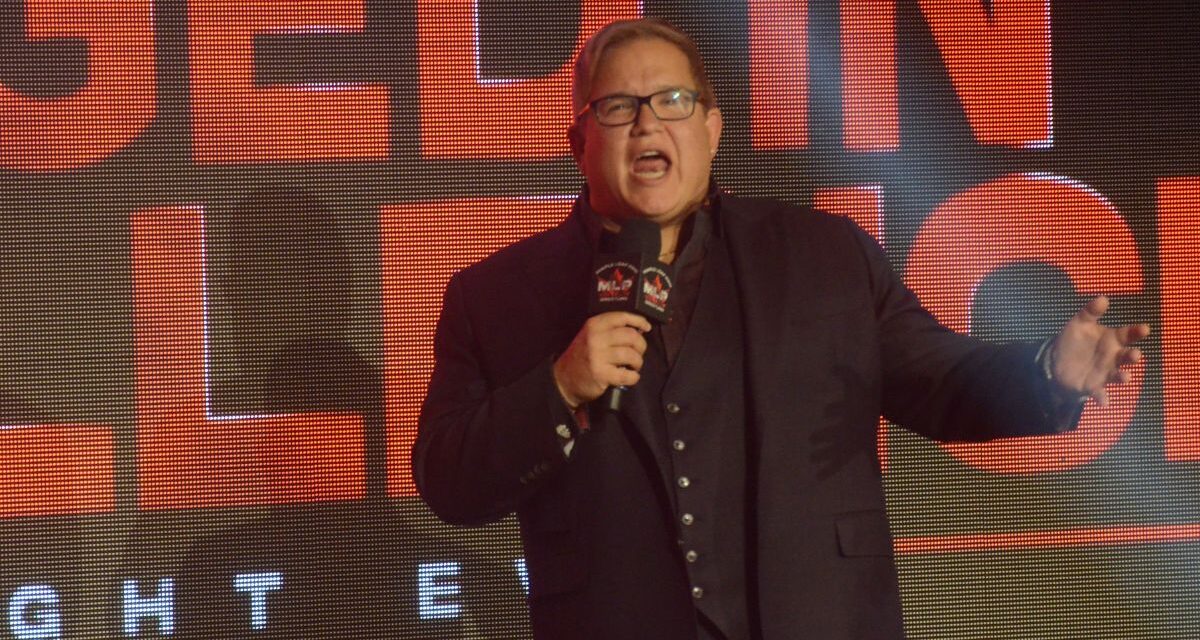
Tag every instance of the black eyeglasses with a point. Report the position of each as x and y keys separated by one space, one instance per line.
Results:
x=668 y=104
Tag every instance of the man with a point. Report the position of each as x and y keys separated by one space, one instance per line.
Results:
x=737 y=493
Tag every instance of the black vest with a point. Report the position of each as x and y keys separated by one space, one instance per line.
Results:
x=700 y=443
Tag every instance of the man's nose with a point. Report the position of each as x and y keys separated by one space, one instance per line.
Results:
x=646 y=118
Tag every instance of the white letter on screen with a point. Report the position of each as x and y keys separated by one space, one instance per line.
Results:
x=257 y=585
x=522 y=574
x=434 y=591
x=160 y=607
x=33 y=613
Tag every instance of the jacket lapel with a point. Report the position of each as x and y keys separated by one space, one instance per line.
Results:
x=758 y=252
x=557 y=268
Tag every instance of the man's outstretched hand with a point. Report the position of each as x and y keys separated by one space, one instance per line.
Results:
x=1087 y=355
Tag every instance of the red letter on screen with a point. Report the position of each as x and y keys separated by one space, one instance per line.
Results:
x=52 y=470
x=235 y=121
x=1021 y=218
x=1178 y=220
x=116 y=102
x=187 y=458
x=463 y=116
x=863 y=205
x=421 y=245
x=999 y=63
x=870 y=118
x=778 y=73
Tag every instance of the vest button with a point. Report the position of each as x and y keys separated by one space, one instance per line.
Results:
x=684 y=482
x=687 y=518
x=679 y=445
x=691 y=556
x=697 y=593
x=672 y=408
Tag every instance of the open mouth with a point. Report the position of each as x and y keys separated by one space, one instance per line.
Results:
x=651 y=165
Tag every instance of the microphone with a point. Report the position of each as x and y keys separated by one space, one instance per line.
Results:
x=629 y=277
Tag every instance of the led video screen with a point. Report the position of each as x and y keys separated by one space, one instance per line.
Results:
x=226 y=227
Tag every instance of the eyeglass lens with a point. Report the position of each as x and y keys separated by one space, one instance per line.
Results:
x=672 y=104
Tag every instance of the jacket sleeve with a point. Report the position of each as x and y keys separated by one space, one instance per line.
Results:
x=483 y=448
x=948 y=386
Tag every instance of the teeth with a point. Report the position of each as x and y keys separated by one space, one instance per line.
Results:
x=650 y=174
x=655 y=174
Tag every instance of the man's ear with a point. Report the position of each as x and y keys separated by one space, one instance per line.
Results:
x=714 y=123
x=575 y=137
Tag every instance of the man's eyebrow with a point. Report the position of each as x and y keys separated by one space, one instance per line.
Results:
x=669 y=87
x=613 y=95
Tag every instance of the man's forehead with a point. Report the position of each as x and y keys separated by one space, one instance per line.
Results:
x=669 y=69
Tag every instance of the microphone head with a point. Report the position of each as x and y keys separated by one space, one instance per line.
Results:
x=640 y=236
x=629 y=276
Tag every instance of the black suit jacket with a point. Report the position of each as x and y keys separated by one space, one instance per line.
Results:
x=832 y=339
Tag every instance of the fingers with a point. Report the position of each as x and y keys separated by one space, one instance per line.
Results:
x=1131 y=333
x=608 y=351
x=623 y=378
x=626 y=357
x=618 y=357
x=624 y=337
x=1112 y=370
x=1128 y=356
x=1093 y=310
x=639 y=322
x=1097 y=307
x=1116 y=373
x=614 y=319
x=1118 y=376
x=609 y=333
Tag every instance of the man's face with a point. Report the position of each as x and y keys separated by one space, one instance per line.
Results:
x=649 y=168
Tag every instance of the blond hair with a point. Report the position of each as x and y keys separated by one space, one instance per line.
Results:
x=622 y=31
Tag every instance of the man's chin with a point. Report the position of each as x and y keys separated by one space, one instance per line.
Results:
x=660 y=217
x=661 y=211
